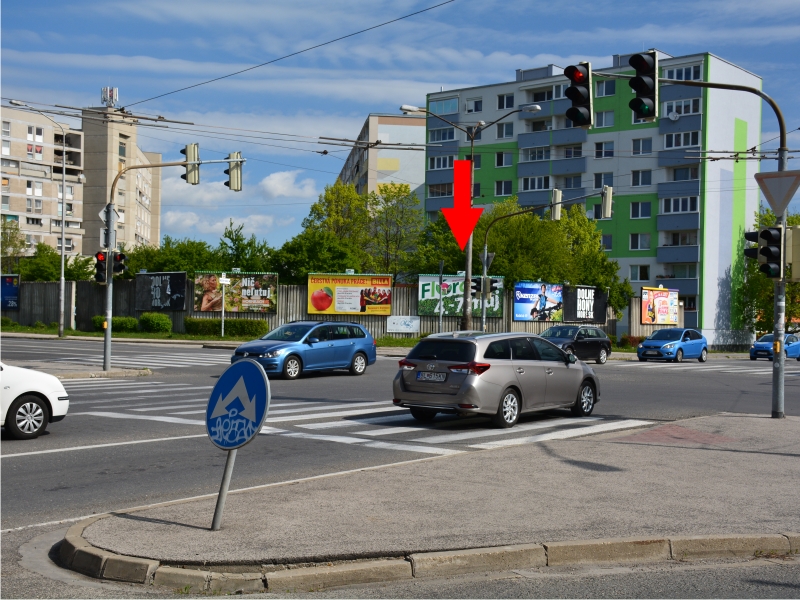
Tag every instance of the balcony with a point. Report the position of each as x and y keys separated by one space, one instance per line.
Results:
x=685 y=287
x=533 y=168
x=444 y=148
x=666 y=93
x=435 y=204
x=678 y=221
x=535 y=198
x=684 y=123
x=435 y=122
x=566 y=166
x=672 y=189
x=678 y=254
x=549 y=108
x=572 y=193
x=439 y=176
x=534 y=139
x=573 y=135
x=678 y=157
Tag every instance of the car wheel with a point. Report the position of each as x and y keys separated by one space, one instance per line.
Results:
x=584 y=404
x=27 y=417
x=292 y=367
x=508 y=411
x=703 y=356
x=359 y=364
x=423 y=414
x=679 y=355
x=601 y=360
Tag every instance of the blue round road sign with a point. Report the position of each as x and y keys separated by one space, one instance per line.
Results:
x=238 y=405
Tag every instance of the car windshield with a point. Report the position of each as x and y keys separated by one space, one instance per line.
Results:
x=288 y=333
x=766 y=338
x=559 y=332
x=444 y=350
x=668 y=335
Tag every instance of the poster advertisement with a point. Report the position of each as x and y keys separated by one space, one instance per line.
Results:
x=9 y=292
x=247 y=292
x=584 y=303
x=402 y=325
x=538 y=301
x=161 y=291
x=332 y=294
x=659 y=306
x=452 y=294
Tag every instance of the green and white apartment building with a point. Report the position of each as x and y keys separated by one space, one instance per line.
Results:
x=678 y=220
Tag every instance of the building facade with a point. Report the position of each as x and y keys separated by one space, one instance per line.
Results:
x=678 y=220
x=32 y=152
x=369 y=167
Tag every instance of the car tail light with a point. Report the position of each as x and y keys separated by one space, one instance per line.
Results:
x=473 y=367
x=467 y=406
x=374 y=343
x=407 y=366
x=396 y=401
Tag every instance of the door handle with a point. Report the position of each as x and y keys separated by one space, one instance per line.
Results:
x=549 y=371
x=520 y=370
x=330 y=345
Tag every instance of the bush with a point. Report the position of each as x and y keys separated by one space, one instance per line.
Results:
x=54 y=325
x=118 y=324
x=234 y=327
x=39 y=325
x=613 y=339
x=153 y=322
x=6 y=322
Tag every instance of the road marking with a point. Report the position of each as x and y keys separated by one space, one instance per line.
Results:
x=326 y=415
x=454 y=437
x=74 y=448
x=359 y=422
x=112 y=415
x=387 y=431
x=341 y=439
x=563 y=435
x=170 y=390
x=299 y=410
x=414 y=448
x=171 y=407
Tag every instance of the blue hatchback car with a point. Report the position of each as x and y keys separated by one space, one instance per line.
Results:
x=674 y=345
x=763 y=347
x=302 y=346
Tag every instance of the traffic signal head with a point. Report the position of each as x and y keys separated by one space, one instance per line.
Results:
x=555 y=205
x=752 y=236
x=771 y=248
x=234 y=172
x=608 y=201
x=192 y=153
x=580 y=92
x=475 y=286
x=645 y=84
x=496 y=284
x=100 y=267
x=119 y=263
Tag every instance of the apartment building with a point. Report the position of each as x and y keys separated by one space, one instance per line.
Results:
x=32 y=152
x=678 y=220
x=369 y=167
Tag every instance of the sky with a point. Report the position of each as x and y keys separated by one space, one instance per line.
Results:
x=65 y=52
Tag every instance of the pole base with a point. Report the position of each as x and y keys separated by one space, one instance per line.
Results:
x=778 y=415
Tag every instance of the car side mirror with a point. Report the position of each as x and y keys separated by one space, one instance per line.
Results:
x=313 y=340
x=572 y=359
x=579 y=337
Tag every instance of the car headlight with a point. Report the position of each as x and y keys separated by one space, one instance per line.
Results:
x=274 y=353
x=640 y=346
x=752 y=346
x=668 y=346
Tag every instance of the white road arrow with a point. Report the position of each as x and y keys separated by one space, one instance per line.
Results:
x=239 y=392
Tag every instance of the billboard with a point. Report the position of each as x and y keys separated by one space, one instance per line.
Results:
x=247 y=292
x=9 y=292
x=452 y=295
x=538 y=301
x=659 y=306
x=584 y=303
x=161 y=291
x=333 y=294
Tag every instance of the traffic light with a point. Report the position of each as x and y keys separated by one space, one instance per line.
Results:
x=645 y=84
x=119 y=263
x=555 y=205
x=495 y=284
x=234 y=172
x=100 y=267
x=793 y=252
x=752 y=236
x=475 y=286
x=192 y=153
x=608 y=201
x=770 y=247
x=580 y=92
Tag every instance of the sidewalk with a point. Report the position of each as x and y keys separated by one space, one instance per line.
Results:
x=65 y=370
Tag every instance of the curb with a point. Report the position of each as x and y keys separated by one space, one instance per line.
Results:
x=79 y=555
x=102 y=374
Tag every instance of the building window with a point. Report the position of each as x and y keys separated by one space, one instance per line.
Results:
x=503 y=159
x=441 y=135
x=69 y=208
x=6 y=184
x=604 y=119
x=505 y=101
x=640 y=241
x=30 y=133
x=67 y=244
x=37 y=206
x=37 y=188
x=640 y=272
x=39 y=134
x=558 y=90
x=681 y=140
x=639 y=178
x=6 y=200
x=535 y=183
x=540 y=125
x=573 y=151
x=476 y=190
x=606 y=88
x=33 y=221
x=469 y=133
x=541 y=95
x=444 y=107
x=573 y=182
x=675 y=205
x=601 y=179
x=637 y=120
x=37 y=152
x=440 y=190
x=123 y=149
x=474 y=105
x=7 y=128
x=28 y=204
x=29 y=188
x=684 y=73
x=6 y=147
x=505 y=130
x=9 y=163
x=642 y=146
x=476 y=160
x=436 y=163
x=568 y=124
x=534 y=154
x=690 y=303
x=688 y=271
x=604 y=150
x=606 y=241
x=30 y=151
x=685 y=174
x=502 y=188
x=640 y=210
x=683 y=107
x=682 y=238
x=70 y=191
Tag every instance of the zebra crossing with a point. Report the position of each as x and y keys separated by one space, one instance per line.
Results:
x=365 y=423
x=761 y=367
x=154 y=360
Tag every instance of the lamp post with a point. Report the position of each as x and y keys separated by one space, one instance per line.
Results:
x=62 y=204
x=466 y=318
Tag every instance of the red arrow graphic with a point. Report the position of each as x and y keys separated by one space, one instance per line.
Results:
x=462 y=218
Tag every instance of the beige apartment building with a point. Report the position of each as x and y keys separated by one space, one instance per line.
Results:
x=32 y=149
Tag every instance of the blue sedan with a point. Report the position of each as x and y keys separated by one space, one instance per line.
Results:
x=302 y=346
x=763 y=347
x=674 y=345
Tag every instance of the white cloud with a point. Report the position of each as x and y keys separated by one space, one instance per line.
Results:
x=189 y=222
x=284 y=184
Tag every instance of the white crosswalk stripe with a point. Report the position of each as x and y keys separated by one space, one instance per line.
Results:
x=750 y=368
x=154 y=360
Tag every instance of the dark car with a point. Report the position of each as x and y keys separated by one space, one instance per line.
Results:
x=587 y=343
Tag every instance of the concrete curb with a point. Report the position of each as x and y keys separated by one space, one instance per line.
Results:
x=79 y=555
x=102 y=374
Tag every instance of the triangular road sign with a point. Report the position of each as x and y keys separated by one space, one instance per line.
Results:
x=779 y=188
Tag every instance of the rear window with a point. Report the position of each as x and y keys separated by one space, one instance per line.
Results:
x=444 y=350
x=357 y=332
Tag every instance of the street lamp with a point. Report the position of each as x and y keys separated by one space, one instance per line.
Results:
x=62 y=204
x=466 y=318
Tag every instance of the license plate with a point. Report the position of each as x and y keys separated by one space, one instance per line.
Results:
x=762 y=353
x=651 y=352
x=426 y=376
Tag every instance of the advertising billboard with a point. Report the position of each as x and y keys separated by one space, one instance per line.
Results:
x=538 y=301
x=9 y=292
x=161 y=291
x=452 y=295
x=584 y=303
x=333 y=294
x=247 y=292
x=659 y=306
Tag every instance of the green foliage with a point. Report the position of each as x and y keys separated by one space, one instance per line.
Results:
x=174 y=255
x=45 y=265
x=6 y=322
x=12 y=245
x=153 y=322
x=39 y=325
x=395 y=227
x=118 y=324
x=312 y=251
x=233 y=327
x=248 y=254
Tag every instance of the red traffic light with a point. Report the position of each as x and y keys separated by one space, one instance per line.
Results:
x=101 y=256
x=577 y=73
x=642 y=62
x=119 y=257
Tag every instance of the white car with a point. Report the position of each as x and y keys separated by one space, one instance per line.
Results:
x=30 y=400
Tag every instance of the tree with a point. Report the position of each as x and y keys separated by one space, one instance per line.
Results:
x=174 y=255
x=248 y=254
x=13 y=246
x=312 y=251
x=395 y=227
x=45 y=265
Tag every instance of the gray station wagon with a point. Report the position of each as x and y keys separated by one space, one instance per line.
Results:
x=502 y=375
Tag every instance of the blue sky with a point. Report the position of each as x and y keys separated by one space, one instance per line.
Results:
x=64 y=52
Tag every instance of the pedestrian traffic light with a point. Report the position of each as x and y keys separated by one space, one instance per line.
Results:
x=580 y=92
x=192 y=153
x=770 y=242
x=234 y=172
x=608 y=201
x=555 y=205
x=119 y=263
x=475 y=286
x=645 y=84
x=100 y=267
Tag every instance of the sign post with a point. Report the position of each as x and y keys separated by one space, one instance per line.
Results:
x=236 y=411
x=441 y=296
x=224 y=280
